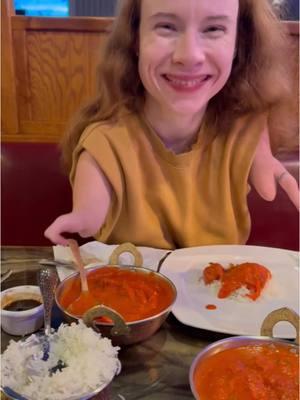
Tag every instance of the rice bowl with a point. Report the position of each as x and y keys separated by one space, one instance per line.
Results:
x=91 y=364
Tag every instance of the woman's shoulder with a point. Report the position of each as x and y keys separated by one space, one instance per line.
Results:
x=249 y=123
x=101 y=129
x=121 y=126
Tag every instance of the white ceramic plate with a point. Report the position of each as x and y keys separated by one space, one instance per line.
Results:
x=184 y=267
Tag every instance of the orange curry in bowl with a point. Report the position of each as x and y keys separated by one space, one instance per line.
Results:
x=134 y=294
x=268 y=371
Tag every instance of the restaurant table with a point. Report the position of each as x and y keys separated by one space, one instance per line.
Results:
x=156 y=369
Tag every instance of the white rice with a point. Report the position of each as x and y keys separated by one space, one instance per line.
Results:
x=91 y=362
x=269 y=292
x=239 y=295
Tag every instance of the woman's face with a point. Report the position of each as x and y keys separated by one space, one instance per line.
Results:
x=186 y=49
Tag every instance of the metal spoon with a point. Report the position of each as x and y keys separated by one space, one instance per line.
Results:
x=85 y=299
x=47 y=280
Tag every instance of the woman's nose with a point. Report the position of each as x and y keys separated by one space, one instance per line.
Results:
x=189 y=50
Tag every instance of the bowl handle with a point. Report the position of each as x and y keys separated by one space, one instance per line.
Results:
x=126 y=248
x=282 y=314
x=119 y=327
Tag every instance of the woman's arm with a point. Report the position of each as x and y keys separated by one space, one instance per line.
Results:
x=91 y=201
x=267 y=171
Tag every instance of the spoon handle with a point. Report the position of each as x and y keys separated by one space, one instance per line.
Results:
x=78 y=260
x=48 y=280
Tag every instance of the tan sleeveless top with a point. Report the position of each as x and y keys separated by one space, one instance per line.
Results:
x=167 y=200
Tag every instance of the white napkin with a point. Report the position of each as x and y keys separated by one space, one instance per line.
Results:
x=97 y=253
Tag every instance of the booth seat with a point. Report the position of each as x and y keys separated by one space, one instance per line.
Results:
x=276 y=223
x=35 y=191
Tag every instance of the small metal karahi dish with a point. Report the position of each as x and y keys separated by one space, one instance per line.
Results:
x=34 y=373
x=119 y=331
x=203 y=362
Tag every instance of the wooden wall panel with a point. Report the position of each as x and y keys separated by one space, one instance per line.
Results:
x=21 y=71
x=95 y=45
x=55 y=63
x=9 y=111
x=57 y=73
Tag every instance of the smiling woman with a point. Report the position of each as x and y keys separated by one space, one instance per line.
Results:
x=162 y=156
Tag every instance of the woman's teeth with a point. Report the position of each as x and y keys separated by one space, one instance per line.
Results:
x=188 y=83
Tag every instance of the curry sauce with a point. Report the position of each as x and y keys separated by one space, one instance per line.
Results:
x=252 y=372
x=134 y=294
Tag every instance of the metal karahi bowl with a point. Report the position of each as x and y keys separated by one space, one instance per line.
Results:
x=29 y=359
x=120 y=332
x=102 y=393
x=283 y=314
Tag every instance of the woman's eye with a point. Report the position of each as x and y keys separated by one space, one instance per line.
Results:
x=165 y=27
x=215 y=30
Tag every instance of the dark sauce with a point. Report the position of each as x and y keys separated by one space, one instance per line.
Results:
x=22 y=305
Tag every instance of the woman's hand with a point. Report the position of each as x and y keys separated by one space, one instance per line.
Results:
x=267 y=171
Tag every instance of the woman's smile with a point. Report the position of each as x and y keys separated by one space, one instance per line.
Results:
x=186 y=83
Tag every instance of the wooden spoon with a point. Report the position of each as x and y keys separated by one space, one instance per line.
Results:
x=86 y=300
